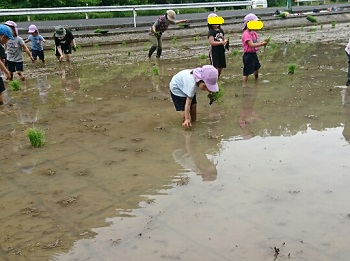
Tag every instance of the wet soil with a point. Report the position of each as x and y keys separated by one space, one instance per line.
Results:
x=262 y=175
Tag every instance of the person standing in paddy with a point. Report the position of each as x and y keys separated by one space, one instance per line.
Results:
x=251 y=44
x=14 y=49
x=5 y=36
x=36 y=41
x=183 y=88
x=158 y=28
x=217 y=43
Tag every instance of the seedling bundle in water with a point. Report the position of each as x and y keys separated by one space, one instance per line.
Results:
x=216 y=96
x=155 y=70
x=36 y=137
x=15 y=85
x=291 y=68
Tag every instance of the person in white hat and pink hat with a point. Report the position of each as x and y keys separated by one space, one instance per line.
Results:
x=158 y=28
x=36 y=41
x=183 y=88
x=14 y=49
x=251 y=44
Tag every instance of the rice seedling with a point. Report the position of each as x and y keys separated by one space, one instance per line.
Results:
x=123 y=43
x=174 y=40
x=321 y=27
x=216 y=96
x=234 y=52
x=273 y=45
x=291 y=68
x=78 y=47
x=203 y=56
x=36 y=137
x=196 y=38
x=15 y=85
x=98 y=31
x=333 y=24
x=311 y=18
x=297 y=41
x=155 y=70
x=96 y=46
x=129 y=53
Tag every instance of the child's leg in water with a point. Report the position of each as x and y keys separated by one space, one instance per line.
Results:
x=193 y=112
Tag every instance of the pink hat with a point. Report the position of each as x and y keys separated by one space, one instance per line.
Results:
x=32 y=28
x=249 y=17
x=209 y=75
x=12 y=24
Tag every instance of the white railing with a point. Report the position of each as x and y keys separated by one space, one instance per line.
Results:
x=133 y=8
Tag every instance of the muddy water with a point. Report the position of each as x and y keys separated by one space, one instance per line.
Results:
x=118 y=179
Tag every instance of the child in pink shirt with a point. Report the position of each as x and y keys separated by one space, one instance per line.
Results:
x=250 y=42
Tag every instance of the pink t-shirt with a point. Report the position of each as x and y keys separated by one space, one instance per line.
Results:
x=247 y=36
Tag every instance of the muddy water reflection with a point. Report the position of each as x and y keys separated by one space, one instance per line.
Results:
x=120 y=177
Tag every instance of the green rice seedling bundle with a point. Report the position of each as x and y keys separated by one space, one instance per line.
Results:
x=15 y=85
x=216 y=96
x=291 y=68
x=36 y=137
x=203 y=56
x=155 y=70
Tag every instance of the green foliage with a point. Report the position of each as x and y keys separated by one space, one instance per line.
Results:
x=174 y=40
x=196 y=38
x=155 y=70
x=202 y=56
x=311 y=18
x=333 y=24
x=216 y=96
x=297 y=41
x=234 y=52
x=123 y=43
x=15 y=85
x=291 y=68
x=96 y=46
x=273 y=45
x=36 y=137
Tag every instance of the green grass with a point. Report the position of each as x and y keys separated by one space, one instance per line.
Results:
x=291 y=68
x=311 y=18
x=203 y=56
x=15 y=85
x=234 y=52
x=36 y=137
x=174 y=40
x=333 y=24
x=155 y=70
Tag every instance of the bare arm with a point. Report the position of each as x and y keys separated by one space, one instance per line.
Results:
x=187 y=118
x=214 y=43
x=181 y=21
x=4 y=69
x=254 y=45
x=25 y=48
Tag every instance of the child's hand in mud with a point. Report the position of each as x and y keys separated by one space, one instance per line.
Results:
x=187 y=123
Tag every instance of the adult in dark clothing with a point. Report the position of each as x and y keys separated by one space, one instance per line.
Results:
x=64 y=42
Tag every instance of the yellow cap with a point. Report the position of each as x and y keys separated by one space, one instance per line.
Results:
x=215 y=20
x=255 y=25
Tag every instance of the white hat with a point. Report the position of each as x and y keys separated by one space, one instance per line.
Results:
x=171 y=15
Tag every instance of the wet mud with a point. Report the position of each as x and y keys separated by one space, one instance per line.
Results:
x=261 y=176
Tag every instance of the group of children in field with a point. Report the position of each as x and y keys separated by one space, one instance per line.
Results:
x=12 y=47
x=184 y=85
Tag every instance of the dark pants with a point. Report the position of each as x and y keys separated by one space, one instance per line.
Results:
x=348 y=81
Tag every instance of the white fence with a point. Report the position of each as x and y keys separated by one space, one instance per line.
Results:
x=133 y=8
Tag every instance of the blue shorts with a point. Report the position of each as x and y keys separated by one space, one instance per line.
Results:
x=36 y=53
x=250 y=63
x=180 y=102
x=15 y=66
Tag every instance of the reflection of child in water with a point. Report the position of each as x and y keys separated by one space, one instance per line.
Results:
x=346 y=103
x=248 y=114
x=190 y=157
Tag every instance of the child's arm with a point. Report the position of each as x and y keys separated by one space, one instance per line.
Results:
x=187 y=118
x=254 y=45
x=214 y=43
x=25 y=48
x=4 y=69
x=181 y=21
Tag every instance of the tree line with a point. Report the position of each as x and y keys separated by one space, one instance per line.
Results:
x=4 y=4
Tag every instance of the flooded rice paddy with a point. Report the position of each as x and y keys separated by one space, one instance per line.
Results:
x=262 y=175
